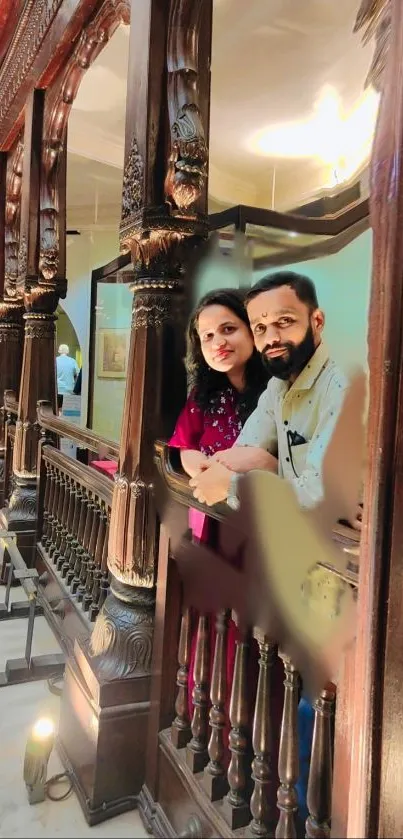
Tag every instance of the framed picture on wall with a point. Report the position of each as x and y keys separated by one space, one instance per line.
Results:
x=113 y=352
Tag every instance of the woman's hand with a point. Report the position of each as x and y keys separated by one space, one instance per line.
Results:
x=211 y=485
x=245 y=458
x=193 y=462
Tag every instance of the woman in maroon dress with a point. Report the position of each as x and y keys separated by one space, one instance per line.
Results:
x=226 y=377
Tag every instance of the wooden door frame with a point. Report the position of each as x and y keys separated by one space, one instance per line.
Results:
x=106 y=274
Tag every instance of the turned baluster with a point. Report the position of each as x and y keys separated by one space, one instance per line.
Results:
x=58 y=557
x=53 y=513
x=46 y=501
x=85 y=558
x=262 y=740
x=320 y=772
x=89 y=581
x=288 y=762
x=77 y=547
x=104 y=579
x=236 y=809
x=73 y=543
x=102 y=543
x=180 y=729
x=68 y=534
x=59 y=514
x=73 y=507
x=215 y=779
x=196 y=750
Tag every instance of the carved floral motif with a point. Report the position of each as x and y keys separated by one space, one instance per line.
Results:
x=187 y=166
x=91 y=43
x=132 y=193
x=122 y=636
x=151 y=310
x=12 y=220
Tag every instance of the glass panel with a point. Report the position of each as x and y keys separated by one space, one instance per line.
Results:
x=112 y=336
x=270 y=241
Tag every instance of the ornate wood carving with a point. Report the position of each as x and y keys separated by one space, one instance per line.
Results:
x=12 y=222
x=132 y=192
x=10 y=12
x=93 y=39
x=13 y=215
x=158 y=240
x=11 y=307
x=121 y=643
x=31 y=30
x=187 y=168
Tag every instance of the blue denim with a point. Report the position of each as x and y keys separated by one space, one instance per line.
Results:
x=306 y=718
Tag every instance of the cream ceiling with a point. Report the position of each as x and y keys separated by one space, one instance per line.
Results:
x=272 y=62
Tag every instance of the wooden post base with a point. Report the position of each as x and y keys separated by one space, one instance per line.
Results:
x=102 y=736
x=20 y=517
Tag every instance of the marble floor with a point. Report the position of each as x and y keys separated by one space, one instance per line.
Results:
x=20 y=707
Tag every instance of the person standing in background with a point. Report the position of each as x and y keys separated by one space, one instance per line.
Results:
x=67 y=372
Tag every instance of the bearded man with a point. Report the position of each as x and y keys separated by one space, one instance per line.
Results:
x=296 y=415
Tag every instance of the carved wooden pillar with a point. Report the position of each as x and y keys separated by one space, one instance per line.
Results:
x=35 y=250
x=11 y=304
x=163 y=217
x=40 y=291
x=375 y=802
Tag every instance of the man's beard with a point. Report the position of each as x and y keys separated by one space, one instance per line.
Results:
x=297 y=357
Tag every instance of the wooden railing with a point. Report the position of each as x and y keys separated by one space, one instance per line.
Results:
x=74 y=505
x=73 y=531
x=239 y=774
x=84 y=437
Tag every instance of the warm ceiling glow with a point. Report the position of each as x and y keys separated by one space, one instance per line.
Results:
x=339 y=140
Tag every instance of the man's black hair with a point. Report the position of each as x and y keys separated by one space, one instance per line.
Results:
x=304 y=287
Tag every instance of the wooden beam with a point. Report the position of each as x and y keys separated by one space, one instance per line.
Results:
x=375 y=802
x=3 y=186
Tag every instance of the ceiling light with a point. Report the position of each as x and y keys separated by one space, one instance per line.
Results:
x=340 y=140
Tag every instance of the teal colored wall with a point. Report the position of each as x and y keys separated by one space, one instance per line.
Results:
x=114 y=307
x=342 y=282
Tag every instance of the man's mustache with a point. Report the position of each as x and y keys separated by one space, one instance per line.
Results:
x=269 y=347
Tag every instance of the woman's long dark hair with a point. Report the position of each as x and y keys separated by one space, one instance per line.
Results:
x=208 y=384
